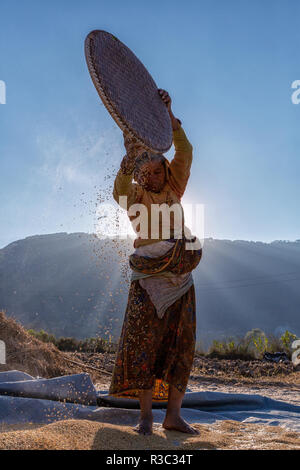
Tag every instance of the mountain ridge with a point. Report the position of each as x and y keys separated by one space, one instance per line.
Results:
x=75 y=284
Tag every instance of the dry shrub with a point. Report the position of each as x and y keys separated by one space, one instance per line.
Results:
x=28 y=354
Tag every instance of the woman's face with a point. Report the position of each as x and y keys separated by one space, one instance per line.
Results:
x=152 y=176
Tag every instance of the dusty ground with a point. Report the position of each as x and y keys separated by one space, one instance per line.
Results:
x=278 y=381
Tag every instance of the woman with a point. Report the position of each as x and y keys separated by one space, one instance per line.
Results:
x=157 y=344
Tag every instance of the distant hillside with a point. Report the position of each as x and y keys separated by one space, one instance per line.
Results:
x=71 y=285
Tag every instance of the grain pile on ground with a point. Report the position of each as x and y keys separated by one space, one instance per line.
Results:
x=85 y=435
x=28 y=354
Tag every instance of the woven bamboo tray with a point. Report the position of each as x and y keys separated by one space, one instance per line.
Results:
x=128 y=91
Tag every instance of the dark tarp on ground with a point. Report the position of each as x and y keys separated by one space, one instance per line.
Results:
x=24 y=399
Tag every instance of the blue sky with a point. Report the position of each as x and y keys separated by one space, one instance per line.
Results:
x=228 y=66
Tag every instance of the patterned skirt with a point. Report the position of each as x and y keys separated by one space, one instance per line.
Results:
x=152 y=352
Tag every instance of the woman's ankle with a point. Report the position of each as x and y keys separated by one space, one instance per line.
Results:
x=173 y=412
x=146 y=415
x=146 y=404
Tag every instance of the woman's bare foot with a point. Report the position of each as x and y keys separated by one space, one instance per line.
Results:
x=176 y=423
x=145 y=426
